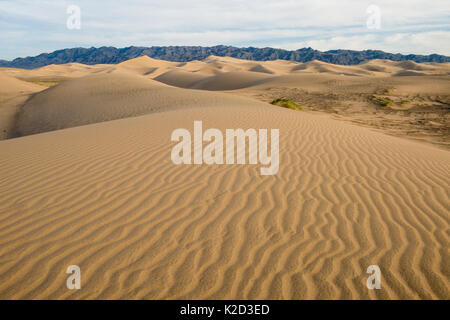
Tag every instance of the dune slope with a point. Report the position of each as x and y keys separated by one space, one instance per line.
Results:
x=105 y=97
x=108 y=198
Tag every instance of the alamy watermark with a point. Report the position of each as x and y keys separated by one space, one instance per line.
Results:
x=374 y=281
x=213 y=152
x=74 y=18
x=74 y=280
x=374 y=17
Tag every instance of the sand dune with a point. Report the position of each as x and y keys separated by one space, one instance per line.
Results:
x=91 y=183
x=182 y=79
x=404 y=98
x=12 y=86
x=221 y=82
x=199 y=67
x=323 y=67
x=232 y=80
x=105 y=97
x=145 y=66
x=13 y=93
x=108 y=198
x=392 y=67
x=260 y=68
x=408 y=73
x=53 y=74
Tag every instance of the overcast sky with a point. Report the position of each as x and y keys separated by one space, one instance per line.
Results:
x=30 y=27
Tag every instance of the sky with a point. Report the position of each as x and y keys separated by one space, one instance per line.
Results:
x=31 y=27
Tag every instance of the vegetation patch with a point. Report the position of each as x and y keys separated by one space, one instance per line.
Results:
x=404 y=102
x=381 y=101
x=286 y=103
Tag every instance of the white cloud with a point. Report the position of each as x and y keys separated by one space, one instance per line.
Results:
x=419 y=43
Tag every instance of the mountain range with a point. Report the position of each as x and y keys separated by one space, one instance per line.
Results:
x=112 y=55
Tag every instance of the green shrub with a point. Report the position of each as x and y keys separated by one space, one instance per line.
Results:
x=384 y=102
x=286 y=103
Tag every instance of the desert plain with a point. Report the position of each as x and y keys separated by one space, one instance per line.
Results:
x=86 y=179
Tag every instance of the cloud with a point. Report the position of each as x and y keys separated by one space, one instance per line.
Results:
x=419 y=43
x=414 y=26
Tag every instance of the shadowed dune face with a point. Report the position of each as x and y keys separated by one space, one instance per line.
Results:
x=104 y=194
x=221 y=82
x=13 y=93
x=231 y=80
x=107 y=97
x=260 y=68
x=181 y=78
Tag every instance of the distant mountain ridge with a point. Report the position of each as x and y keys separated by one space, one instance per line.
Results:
x=112 y=55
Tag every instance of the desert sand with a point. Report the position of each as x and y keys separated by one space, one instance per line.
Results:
x=404 y=98
x=86 y=179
